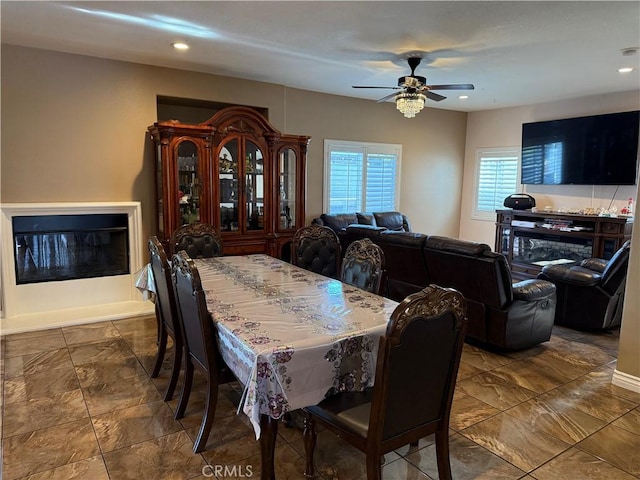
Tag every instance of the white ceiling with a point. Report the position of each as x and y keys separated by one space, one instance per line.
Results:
x=514 y=53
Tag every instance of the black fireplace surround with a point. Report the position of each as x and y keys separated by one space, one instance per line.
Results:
x=65 y=247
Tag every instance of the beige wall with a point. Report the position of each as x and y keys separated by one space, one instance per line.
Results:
x=629 y=350
x=74 y=129
x=502 y=128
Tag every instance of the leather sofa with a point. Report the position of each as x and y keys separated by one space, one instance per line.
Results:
x=501 y=314
x=386 y=220
x=374 y=221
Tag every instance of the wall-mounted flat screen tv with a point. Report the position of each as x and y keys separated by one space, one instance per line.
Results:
x=594 y=150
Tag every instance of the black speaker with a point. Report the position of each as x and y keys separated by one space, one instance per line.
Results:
x=520 y=201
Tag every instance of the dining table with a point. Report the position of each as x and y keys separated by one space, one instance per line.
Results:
x=292 y=337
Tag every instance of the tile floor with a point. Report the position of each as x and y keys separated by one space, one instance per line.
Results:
x=77 y=403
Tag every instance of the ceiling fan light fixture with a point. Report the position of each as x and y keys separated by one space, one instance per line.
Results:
x=410 y=103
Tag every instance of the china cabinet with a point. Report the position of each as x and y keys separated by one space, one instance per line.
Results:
x=235 y=171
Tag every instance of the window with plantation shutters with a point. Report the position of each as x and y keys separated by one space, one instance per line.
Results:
x=496 y=179
x=361 y=177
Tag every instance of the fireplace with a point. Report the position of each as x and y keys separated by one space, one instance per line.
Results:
x=66 y=247
x=66 y=263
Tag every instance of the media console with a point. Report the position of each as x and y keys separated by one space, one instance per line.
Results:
x=531 y=240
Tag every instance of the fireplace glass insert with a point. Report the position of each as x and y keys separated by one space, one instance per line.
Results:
x=65 y=247
x=544 y=249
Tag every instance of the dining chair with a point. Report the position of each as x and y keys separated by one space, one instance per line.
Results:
x=200 y=341
x=199 y=240
x=416 y=370
x=166 y=315
x=363 y=265
x=317 y=248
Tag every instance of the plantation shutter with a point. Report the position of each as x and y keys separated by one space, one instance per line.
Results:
x=361 y=177
x=497 y=178
x=381 y=183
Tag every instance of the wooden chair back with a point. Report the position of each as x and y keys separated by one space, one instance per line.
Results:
x=199 y=240
x=165 y=299
x=363 y=265
x=198 y=326
x=317 y=248
x=418 y=360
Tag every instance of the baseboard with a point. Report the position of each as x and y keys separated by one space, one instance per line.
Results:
x=627 y=381
x=75 y=316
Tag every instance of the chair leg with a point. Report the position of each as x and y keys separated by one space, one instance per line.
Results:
x=186 y=388
x=374 y=465
x=442 y=454
x=162 y=348
x=175 y=369
x=208 y=415
x=309 y=435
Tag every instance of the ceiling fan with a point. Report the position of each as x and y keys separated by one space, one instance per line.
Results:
x=415 y=90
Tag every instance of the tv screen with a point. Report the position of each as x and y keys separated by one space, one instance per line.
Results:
x=594 y=150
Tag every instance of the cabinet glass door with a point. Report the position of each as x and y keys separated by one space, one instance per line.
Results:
x=287 y=185
x=254 y=187
x=159 y=187
x=189 y=182
x=228 y=178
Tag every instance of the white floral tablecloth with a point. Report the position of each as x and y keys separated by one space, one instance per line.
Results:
x=291 y=336
x=145 y=282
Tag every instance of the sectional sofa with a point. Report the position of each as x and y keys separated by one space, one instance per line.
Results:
x=501 y=313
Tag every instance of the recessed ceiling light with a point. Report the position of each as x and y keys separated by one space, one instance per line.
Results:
x=180 y=46
x=625 y=70
x=463 y=97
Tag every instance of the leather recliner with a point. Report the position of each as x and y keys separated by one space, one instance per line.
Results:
x=501 y=313
x=590 y=295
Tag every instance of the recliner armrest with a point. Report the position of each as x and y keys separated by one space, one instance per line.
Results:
x=596 y=264
x=533 y=290
x=573 y=275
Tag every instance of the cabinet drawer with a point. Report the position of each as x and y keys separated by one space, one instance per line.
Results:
x=611 y=227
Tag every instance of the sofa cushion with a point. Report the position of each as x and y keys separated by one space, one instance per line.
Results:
x=401 y=238
x=454 y=245
x=391 y=220
x=366 y=219
x=338 y=221
x=364 y=230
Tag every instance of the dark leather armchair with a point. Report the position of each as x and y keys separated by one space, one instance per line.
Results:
x=590 y=295
x=416 y=372
x=501 y=313
x=317 y=248
x=363 y=265
x=199 y=240
x=166 y=315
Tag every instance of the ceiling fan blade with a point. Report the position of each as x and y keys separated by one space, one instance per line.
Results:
x=364 y=86
x=458 y=86
x=433 y=96
x=388 y=97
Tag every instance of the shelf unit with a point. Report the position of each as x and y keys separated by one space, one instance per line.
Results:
x=236 y=172
x=531 y=240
